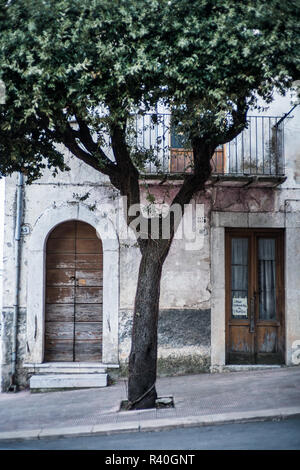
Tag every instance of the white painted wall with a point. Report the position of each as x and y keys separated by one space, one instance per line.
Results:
x=187 y=276
x=2 y=186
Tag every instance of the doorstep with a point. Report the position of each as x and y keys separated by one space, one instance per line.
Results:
x=68 y=367
x=50 y=376
x=66 y=381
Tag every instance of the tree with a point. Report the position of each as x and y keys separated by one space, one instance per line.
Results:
x=207 y=60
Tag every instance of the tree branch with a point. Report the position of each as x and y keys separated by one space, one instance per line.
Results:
x=68 y=136
x=129 y=182
x=239 y=123
x=95 y=150
x=85 y=135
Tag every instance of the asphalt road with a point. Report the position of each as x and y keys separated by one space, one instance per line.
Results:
x=268 y=435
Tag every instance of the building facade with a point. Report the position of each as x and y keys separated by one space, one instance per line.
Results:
x=229 y=296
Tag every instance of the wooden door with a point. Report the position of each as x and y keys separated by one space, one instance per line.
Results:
x=254 y=297
x=74 y=280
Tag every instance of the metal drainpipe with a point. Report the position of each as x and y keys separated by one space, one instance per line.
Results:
x=19 y=216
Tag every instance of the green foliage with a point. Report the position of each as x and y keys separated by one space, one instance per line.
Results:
x=96 y=60
x=65 y=57
x=222 y=55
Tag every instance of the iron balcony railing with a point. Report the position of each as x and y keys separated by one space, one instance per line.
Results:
x=258 y=150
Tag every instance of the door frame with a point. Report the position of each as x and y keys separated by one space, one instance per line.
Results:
x=79 y=242
x=252 y=234
x=285 y=219
x=35 y=328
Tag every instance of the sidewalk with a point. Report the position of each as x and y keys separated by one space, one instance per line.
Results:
x=203 y=399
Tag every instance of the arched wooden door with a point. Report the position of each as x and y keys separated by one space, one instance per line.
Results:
x=74 y=280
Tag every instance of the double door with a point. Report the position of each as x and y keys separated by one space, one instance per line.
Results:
x=74 y=279
x=254 y=297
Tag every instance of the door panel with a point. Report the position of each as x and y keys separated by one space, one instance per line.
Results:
x=89 y=261
x=88 y=331
x=61 y=245
x=59 y=351
x=60 y=295
x=85 y=245
x=89 y=278
x=87 y=351
x=86 y=231
x=60 y=277
x=74 y=279
x=59 y=312
x=60 y=330
x=254 y=300
x=64 y=230
x=60 y=260
x=88 y=312
x=88 y=295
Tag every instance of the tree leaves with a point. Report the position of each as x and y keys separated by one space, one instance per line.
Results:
x=207 y=60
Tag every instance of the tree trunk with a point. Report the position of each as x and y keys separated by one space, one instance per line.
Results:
x=143 y=355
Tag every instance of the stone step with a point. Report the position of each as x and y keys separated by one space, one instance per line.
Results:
x=67 y=368
x=67 y=381
x=70 y=370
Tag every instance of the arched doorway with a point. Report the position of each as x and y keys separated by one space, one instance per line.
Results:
x=74 y=284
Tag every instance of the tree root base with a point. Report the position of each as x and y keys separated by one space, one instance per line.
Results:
x=160 y=402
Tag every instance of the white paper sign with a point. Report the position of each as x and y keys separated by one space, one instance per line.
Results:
x=240 y=307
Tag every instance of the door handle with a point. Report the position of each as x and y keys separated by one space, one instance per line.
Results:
x=252 y=313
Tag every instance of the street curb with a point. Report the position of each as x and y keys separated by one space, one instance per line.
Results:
x=162 y=424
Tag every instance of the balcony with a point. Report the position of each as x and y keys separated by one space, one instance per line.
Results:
x=255 y=156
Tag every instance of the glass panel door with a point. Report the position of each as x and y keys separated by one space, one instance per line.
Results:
x=267 y=278
x=239 y=278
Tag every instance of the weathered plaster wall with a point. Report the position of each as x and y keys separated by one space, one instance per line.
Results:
x=2 y=194
x=185 y=287
x=292 y=276
x=8 y=284
x=6 y=336
x=183 y=340
x=192 y=281
x=184 y=324
x=184 y=321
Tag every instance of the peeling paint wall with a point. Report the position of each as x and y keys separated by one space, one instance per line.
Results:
x=6 y=334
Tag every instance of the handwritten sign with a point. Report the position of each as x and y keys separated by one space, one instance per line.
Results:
x=239 y=307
